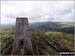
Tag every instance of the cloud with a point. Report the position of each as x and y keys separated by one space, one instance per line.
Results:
x=37 y=11
x=67 y=17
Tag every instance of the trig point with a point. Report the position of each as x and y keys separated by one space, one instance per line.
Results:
x=22 y=40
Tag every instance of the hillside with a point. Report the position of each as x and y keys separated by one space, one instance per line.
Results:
x=47 y=38
x=43 y=43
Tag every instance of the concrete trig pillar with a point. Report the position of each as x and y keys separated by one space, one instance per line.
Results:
x=22 y=40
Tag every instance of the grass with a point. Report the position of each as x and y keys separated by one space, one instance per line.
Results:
x=43 y=43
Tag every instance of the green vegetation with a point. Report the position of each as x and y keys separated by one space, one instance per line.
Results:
x=65 y=39
x=43 y=43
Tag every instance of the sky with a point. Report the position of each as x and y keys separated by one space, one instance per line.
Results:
x=37 y=11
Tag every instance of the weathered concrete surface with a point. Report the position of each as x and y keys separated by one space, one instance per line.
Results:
x=22 y=40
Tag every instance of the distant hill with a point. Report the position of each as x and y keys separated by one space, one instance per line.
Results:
x=66 y=27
